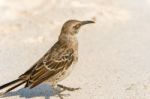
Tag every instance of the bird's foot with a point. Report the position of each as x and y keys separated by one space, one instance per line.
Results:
x=60 y=96
x=56 y=91
x=68 y=88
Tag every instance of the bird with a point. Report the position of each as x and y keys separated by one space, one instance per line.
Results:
x=56 y=64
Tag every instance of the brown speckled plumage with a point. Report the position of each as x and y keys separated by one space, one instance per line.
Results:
x=57 y=63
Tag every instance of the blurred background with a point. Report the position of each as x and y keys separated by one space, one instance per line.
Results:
x=114 y=53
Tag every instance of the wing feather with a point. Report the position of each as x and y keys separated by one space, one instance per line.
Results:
x=54 y=61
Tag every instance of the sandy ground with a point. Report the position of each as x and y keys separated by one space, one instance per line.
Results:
x=114 y=53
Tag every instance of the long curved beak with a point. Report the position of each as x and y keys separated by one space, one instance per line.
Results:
x=86 y=22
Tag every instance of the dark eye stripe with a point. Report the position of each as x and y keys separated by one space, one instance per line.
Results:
x=77 y=26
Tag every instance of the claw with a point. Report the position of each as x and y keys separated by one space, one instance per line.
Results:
x=67 y=88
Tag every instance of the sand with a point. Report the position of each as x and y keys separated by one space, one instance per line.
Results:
x=114 y=52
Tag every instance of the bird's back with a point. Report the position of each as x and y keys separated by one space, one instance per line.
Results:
x=53 y=65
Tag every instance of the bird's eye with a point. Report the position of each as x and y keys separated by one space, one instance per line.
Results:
x=76 y=26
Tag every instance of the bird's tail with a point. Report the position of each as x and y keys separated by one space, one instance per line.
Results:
x=12 y=85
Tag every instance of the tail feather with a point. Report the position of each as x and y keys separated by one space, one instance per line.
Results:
x=16 y=83
x=14 y=87
x=10 y=83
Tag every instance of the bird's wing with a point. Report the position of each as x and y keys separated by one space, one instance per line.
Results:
x=53 y=62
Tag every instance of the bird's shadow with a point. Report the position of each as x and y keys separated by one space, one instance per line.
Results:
x=42 y=90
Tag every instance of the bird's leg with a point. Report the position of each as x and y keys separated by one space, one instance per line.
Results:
x=60 y=96
x=67 y=88
x=56 y=91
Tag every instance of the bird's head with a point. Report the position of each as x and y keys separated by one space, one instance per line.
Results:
x=72 y=26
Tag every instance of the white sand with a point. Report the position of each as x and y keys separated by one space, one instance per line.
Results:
x=114 y=60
